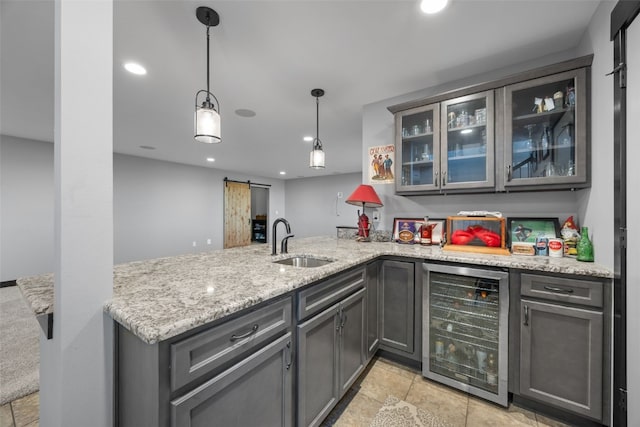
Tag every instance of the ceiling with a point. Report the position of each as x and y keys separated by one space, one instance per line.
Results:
x=266 y=57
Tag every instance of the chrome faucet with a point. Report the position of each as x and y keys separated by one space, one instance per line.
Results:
x=285 y=240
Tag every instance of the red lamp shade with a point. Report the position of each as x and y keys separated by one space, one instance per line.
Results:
x=366 y=196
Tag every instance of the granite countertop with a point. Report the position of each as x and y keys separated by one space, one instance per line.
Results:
x=160 y=298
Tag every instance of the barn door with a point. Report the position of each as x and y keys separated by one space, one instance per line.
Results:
x=237 y=214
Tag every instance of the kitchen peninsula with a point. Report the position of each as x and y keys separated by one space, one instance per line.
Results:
x=168 y=310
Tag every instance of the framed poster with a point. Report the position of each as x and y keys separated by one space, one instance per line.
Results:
x=381 y=160
x=528 y=229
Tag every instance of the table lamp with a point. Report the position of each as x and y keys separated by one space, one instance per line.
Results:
x=365 y=195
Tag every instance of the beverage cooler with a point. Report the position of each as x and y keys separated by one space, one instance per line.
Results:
x=465 y=329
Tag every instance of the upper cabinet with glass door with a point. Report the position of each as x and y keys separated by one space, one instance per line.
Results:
x=467 y=160
x=418 y=149
x=545 y=132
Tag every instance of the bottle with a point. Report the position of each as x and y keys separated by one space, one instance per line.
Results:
x=585 y=247
x=492 y=370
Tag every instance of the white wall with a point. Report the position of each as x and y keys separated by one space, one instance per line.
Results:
x=160 y=208
x=313 y=206
x=259 y=201
x=596 y=203
x=26 y=207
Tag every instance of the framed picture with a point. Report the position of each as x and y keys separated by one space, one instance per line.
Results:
x=528 y=229
x=405 y=229
x=439 y=232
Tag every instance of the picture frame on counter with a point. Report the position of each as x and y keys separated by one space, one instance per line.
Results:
x=524 y=229
x=406 y=230
x=439 y=232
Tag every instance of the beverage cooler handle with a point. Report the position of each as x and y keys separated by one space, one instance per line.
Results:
x=444 y=178
x=435 y=180
x=526 y=315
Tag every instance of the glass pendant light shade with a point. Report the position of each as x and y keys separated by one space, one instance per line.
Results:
x=316 y=158
x=207 y=123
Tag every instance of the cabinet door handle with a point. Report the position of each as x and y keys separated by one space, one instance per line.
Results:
x=253 y=330
x=344 y=320
x=444 y=178
x=559 y=290
x=435 y=180
x=288 y=356
x=338 y=319
x=509 y=173
x=526 y=315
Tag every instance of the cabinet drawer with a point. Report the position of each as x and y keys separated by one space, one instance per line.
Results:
x=318 y=297
x=256 y=391
x=202 y=353
x=574 y=291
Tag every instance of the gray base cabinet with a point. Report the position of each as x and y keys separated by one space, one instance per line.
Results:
x=563 y=346
x=398 y=310
x=216 y=376
x=331 y=356
x=373 y=309
x=237 y=397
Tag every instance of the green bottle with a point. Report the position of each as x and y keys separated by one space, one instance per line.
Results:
x=585 y=247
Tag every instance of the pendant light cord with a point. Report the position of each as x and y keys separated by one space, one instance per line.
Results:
x=208 y=91
x=317 y=119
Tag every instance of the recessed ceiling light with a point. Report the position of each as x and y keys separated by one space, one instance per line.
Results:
x=134 y=68
x=147 y=147
x=308 y=138
x=283 y=173
x=433 y=6
x=210 y=159
x=466 y=131
x=244 y=112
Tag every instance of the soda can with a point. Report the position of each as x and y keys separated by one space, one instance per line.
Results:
x=542 y=246
x=556 y=248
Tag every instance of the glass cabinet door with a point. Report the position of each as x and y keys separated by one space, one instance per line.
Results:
x=545 y=141
x=468 y=142
x=417 y=163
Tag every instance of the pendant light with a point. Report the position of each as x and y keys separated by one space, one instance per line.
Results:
x=207 y=117
x=316 y=159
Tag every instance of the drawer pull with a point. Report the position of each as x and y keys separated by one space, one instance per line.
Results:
x=253 y=330
x=526 y=315
x=559 y=290
x=289 y=357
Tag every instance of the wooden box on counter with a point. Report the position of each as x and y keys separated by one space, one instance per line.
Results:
x=478 y=234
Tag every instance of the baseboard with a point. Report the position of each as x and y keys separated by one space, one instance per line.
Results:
x=8 y=283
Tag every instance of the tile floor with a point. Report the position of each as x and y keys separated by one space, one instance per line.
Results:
x=385 y=377
x=365 y=398
x=21 y=412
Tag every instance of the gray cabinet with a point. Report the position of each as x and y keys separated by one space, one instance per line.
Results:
x=399 y=308
x=215 y=375
x=562 y=354
x=527 y=131
x=446 y=146
x=373 y=308
x=236 y=397
x=331 y=355
x=547 y=145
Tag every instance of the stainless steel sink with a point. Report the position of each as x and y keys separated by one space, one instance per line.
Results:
x=303 y=261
